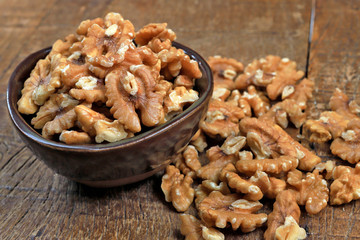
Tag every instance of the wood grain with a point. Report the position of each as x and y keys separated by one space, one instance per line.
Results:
x=333 y=63
x=38 y=204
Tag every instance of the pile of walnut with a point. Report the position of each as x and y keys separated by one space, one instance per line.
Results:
x=257 y=159
x=105 y=82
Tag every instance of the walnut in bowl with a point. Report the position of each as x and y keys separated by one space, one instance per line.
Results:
x=124 y=102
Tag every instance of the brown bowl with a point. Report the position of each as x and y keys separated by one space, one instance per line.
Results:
x=112 y=164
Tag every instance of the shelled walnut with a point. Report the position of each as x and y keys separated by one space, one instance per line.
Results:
x=139 y=77
x=268 y=139
x=310 y=190
x=224 y=71
x=192 y=228
x=346 y=185
x=285 y=206
x=177 y=189
x=222 y=210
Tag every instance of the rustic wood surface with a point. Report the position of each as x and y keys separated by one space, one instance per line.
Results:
x=35 y=203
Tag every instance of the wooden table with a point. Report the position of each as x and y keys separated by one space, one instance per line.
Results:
x=38 y=204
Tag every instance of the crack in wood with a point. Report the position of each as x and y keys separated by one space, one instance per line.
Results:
x=311 y=30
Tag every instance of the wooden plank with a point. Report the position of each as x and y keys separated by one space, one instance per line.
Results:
x=334 y=62
x=45 y=205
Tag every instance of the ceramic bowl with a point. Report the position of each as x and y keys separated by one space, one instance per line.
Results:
x=111 y=164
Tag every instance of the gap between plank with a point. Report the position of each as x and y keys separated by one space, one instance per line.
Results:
x=311 y=29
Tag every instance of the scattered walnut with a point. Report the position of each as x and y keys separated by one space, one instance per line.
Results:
x=199 y=141
x=246 y=155
x=257 y=100
x=290 y=230
x=74 y=137
x=219 y=210
x=192 y=158
x=228 y=174
x=302 y=92
x=286 y=74
x=192 y=228
x=206 y=187
x=268 y=139
x=224 y=71
x=217 y=160
x=311 y=191
x=271 y=166
x=286 y=109
x=188 y=162
x=221 y=119
x=284 y=206
x=329 y=125
x=233 y=144
x=272 y=72
x=269 y=186
x=180 y=164
x=354 y=107
x=255 y=73
x=221 y=94
x=346 y=185
x=328 y=167
x=177 y=188
x=347 y=147
x=339 y=102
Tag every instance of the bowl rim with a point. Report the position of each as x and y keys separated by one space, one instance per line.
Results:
x=24 y=127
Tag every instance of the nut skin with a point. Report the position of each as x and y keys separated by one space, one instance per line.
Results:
x=339 y=102
x=347 y=146
x=193 y=229
x=271 y=72
x=310 y=190
x=302 y=92
x=259 y=103
x=269 y=186
x=177 y=189
x=290 y=230
x=285 y=205
x=224 y=71
x=217 y=160
x=273 y=166
x=217 y=210
x=345 y=187
x=222 y=119
x=74 y=137
x=290 y=108
x=268 y=139
x=329 y=126
x=240 y=185
x=188 y=161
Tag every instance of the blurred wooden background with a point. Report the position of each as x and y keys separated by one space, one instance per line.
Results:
x=38 y=204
